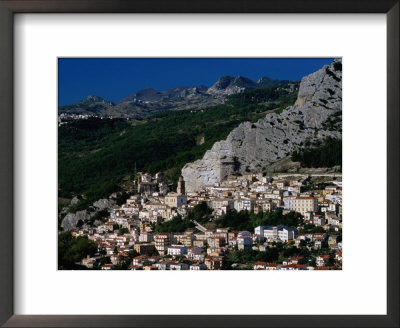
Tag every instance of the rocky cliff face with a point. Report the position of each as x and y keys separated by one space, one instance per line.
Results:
x=71 y=219
x=228 y=85
x=252 y=146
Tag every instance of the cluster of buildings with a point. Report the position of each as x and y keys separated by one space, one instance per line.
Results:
x=206 y=249
x=64 y=118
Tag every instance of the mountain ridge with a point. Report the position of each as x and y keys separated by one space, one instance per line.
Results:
x=146 y=102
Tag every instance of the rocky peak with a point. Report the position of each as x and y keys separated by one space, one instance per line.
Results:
x=243 y=82
x=228 y=85
x=252 y=146
x=153 y=95
x=223 y=82
x=148 y=94
x=90 y=105
x=92 y=99
x=184 y=92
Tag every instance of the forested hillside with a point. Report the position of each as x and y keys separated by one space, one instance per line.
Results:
x=326 y=153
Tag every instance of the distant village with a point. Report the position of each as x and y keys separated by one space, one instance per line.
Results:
x=65 y=118
x=130 y=228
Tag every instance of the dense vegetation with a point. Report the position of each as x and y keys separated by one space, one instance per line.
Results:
x=249 y=256
x=176 y=224
x=248 y=221
x=327 y=153
x=337 y=66
x=72 y=250
x=96 y=155
x=271 y=97
x=276 y=254
x=315 y=186
x=332 y=121
x=200 y=212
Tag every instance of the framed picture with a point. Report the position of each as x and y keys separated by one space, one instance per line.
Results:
x=205 y=139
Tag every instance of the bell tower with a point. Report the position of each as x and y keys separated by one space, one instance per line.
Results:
x=181 y=186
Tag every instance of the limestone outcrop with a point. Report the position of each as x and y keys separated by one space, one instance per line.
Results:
x=253 y=146
x=71 y=219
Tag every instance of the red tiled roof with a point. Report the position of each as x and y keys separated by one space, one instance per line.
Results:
x=296 y=266
x=297 y=258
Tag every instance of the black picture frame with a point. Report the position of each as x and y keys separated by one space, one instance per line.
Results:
x=10 y=7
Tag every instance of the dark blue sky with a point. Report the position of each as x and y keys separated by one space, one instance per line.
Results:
x=115 y=78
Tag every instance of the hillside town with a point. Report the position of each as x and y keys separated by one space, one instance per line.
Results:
x=133 y=236
x=65 y=118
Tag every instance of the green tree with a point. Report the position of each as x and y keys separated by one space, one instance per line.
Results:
x=101 y=261
x=245 y=220
x=123 y=231
x=72 y=250
x=200 y=212
x=176 y=224
x=321 y=154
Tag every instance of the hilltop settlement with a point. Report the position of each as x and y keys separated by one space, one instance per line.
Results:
x=292 y=223
x=217 y=201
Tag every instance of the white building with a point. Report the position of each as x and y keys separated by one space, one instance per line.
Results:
x=269 y=206
x=262 y=188
x=282 y=233
x=175 y=250
x=178 y=266
x=305 y=204
x=244 y=204
x=174 y=199
x=146 y=237
x=198 y=266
